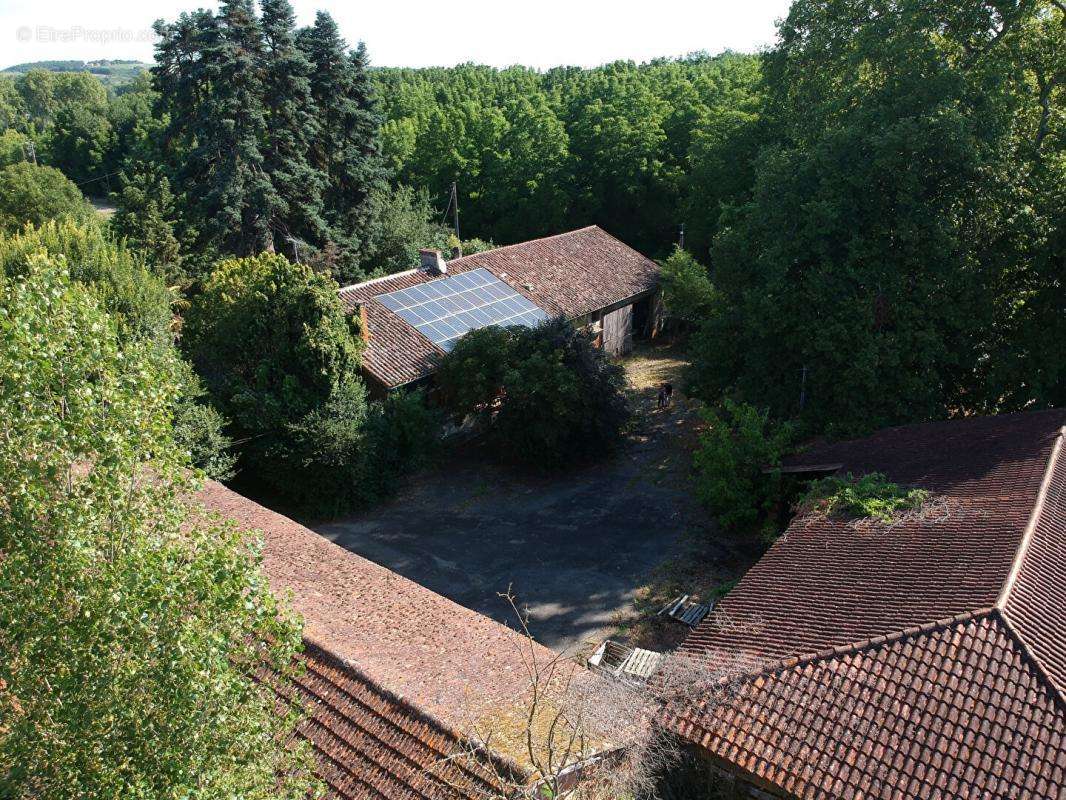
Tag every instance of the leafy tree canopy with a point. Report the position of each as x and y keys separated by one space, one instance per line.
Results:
x=32 y=194
x=546 y=395
x=119 y=277
x=271 y=340
x=130 y=627
x=893 y=262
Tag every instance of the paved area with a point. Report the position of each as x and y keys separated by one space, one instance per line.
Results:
x=573 y=549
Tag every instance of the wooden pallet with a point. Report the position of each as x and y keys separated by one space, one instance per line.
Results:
x=627 y=663
x=688 y=612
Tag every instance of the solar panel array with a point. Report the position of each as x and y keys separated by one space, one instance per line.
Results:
x=445 y=309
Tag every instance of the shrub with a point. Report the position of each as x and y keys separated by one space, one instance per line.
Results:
x=736 y=462
x=403 y=432
x=688 y=293
x=870 y=496
x=198 y=427
x=321 y=462
x=34 y=194
x=546 y=395
x=349 y=453
x=120 y=278
x=271 y=341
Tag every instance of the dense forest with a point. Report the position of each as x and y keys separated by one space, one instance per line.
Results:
x=872 y=210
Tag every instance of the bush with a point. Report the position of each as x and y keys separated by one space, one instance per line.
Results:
x=403 y=433
x=546 y=395
x=320 y=463
x=350 y=453
x=740 y=444
x=271 y=341
x=871 y=496
x=33 y=194
x=198 y=427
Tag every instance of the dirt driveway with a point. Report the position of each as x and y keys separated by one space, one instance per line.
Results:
x=575 y=550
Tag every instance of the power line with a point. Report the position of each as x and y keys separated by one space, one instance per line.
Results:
x=100 y=178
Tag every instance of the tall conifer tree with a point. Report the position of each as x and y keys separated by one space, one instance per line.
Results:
x=292 y=127
x=348 y=152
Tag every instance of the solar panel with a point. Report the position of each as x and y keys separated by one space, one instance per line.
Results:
x=445 y=309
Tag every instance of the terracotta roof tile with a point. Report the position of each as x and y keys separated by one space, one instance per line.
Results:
x=396 y=674
x=981 y=722
x=923 y=659
x=371 y=744
x=571 y=274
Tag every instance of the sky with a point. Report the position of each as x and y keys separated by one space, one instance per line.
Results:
x=537 y=33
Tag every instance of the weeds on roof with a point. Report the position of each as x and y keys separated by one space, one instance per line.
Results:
x=870 y=496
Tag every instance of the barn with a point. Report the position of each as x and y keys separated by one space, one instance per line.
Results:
x=412 y=318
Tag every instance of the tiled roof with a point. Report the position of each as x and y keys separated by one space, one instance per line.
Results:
x=571 y=274
x=371 y=744
x=396 y=674
x=954 y=617
x=955 y=710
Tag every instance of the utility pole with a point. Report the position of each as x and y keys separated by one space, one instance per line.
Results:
x=681 y=238
x=803 y=387
x=455 y=209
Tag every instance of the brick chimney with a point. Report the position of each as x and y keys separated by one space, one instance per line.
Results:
x=433 y=262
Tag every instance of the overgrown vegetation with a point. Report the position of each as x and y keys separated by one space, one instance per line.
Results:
x=689 y=296
x=546 y=396
x=897 y=254
x=130 y=624
x=736 y=465
x=33 y=195
x=280 y=358
x=868 y=496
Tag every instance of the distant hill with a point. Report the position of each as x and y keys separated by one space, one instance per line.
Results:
x=111 y=73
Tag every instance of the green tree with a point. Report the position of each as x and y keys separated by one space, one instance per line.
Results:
x=137 y=300
x=131 y=624
x=146 y=216
x=400 y=221
x=34 y=194
x=546 y=395
x=348 y=150
x=688 y=294
x=80 y=142
x=208 y=75
x=12 y=147
x=272 y=343
x=292 y=125
x=901 y=225
x=736 y=464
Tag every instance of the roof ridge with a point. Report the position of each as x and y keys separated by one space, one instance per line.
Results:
x=1034 y=520
x=1030 y=657
x=379 y=279
x=789 y=662
x=500 y=759
x=528 y=241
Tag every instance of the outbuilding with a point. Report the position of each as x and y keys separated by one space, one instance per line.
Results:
x=412 y=318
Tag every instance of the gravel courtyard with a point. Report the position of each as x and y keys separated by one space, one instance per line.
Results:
x=574 y=549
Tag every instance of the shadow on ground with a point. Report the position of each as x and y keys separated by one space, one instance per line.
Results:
x=575 y=550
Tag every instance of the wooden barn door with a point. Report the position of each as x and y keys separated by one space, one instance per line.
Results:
x=618 y=331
